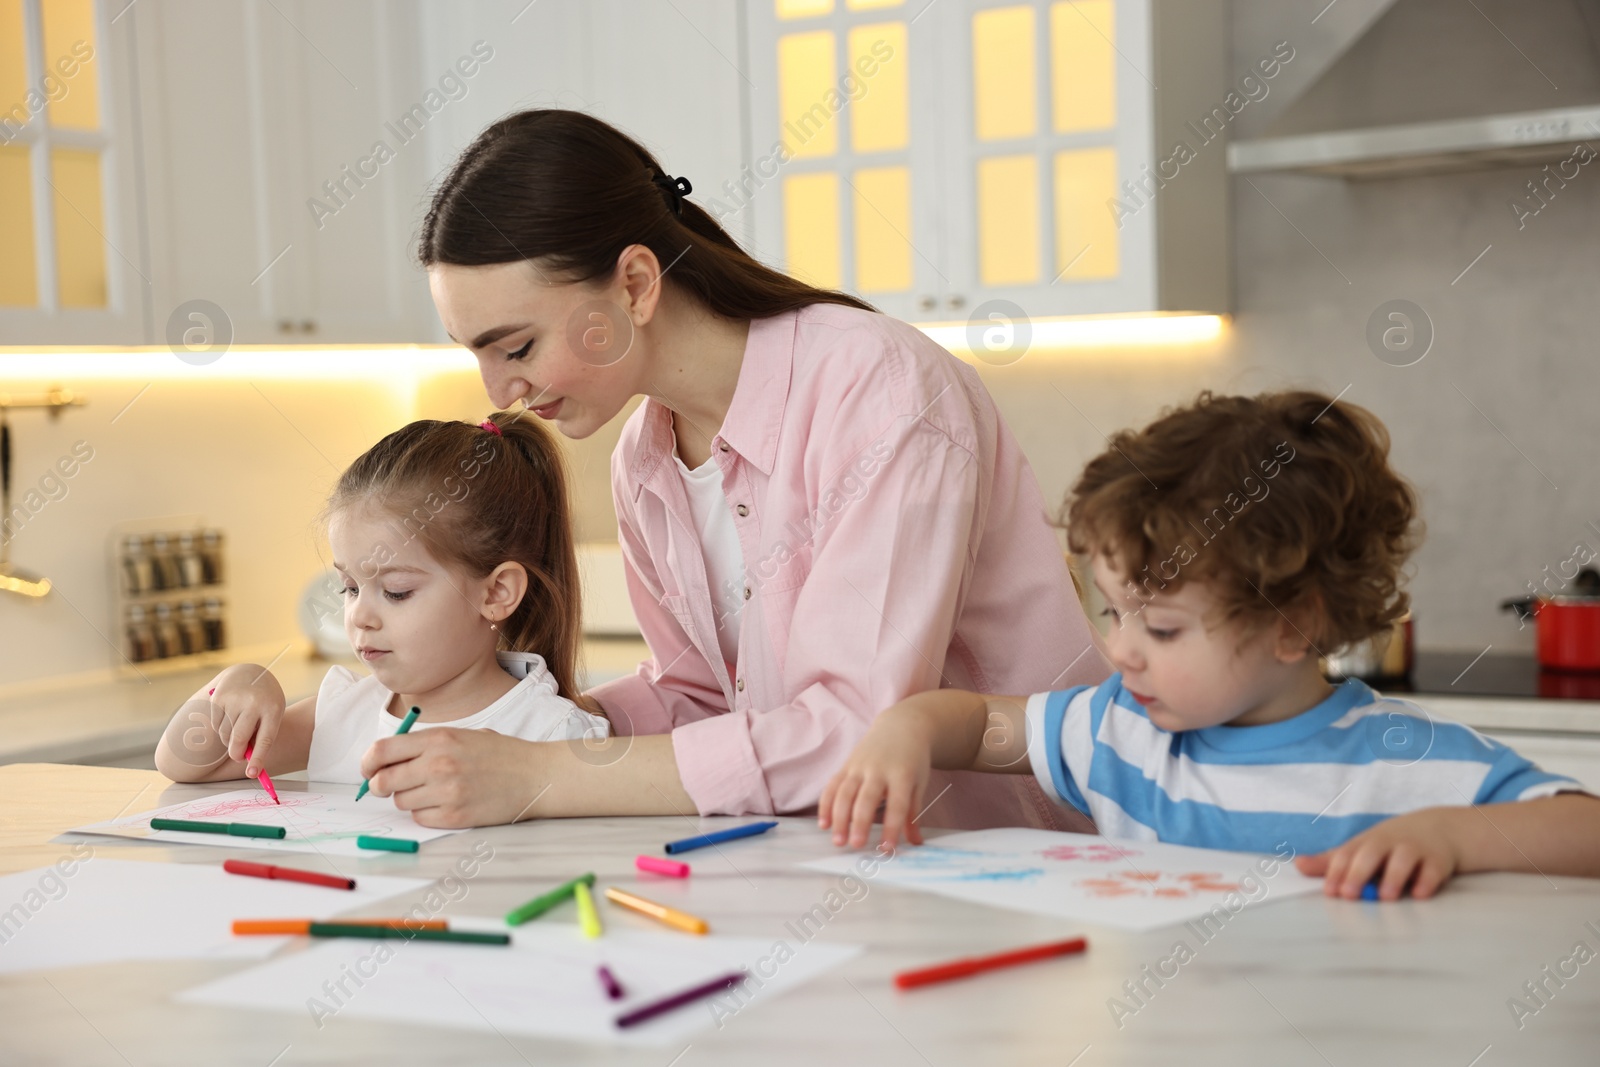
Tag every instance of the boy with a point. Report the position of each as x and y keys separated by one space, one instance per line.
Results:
x=1234 y=541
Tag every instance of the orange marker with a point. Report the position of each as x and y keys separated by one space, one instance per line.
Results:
x=303 y=926
x=659 y=912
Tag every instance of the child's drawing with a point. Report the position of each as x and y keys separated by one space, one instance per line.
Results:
x=232 y=806
x=1134 y=885
x=1164 y=885
x=314 y=821
x=1096 y=853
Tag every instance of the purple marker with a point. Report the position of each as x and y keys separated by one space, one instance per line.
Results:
x=678 y=1000
x=609 y=980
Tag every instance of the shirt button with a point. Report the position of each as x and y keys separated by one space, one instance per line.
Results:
x=740 y=685
x=722 y=445
x=747 y=592
x=743 y=510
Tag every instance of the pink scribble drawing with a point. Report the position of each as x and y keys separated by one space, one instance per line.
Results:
x=1089 y=853
x=1157 y=885
x=257 y=802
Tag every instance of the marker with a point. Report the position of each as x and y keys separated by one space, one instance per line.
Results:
x=588 y=918
x=385 y=844
x=944 y=972
x=677 y=1000
x=386 y=933
x=670 y=868
x=689 y=924
x=405 y=727
x=541 y=904
x=266 y=783
x=237 y=829
x=303 y=926
x=609 y=980
x=690 y=843
x=287 y=874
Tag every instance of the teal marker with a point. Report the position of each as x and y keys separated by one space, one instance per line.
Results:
x=237 y=829
x=386 y=844
x=405 y=726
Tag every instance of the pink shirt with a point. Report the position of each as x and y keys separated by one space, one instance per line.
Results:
x=895 y=541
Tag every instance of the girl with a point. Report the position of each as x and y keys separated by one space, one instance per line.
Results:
x=461 y=595
x=820 y=510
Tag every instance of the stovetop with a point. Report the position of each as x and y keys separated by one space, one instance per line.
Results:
x=1492 y=674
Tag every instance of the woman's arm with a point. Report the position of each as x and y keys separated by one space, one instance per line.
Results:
x=1549 y=835
x=452 y=778
x=241 y=706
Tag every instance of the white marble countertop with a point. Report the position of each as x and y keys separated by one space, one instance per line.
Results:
x=1301 y=981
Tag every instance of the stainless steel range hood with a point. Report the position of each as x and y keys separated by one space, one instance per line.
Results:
x=1442 y=86
x=1531 y=137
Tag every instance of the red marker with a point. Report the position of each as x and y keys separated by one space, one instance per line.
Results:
x=266 y=783
x=287 y=874
x=944 y=972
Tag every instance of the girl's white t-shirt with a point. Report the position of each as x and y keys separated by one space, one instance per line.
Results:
x=352 y=713
x=719 y=541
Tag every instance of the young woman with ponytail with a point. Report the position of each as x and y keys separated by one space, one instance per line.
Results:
x=820 y=510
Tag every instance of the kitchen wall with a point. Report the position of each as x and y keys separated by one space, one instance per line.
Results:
x=1493 y=425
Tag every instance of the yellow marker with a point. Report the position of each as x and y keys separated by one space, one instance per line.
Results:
x=660 y=912
x=588 y=918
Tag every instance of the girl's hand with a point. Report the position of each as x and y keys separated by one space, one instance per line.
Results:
x=1417 y=844
x=452 y=778
x=889 y=766
x=247 y=706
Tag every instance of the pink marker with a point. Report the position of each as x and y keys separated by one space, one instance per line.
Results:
x=266 y=783
x=670 y=868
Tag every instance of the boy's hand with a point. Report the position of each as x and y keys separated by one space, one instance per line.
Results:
x=889 y=766
x=247 y=708
x=1418 y=843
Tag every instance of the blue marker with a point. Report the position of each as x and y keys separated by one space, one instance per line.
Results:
x=1369 y=891
x=688 y=844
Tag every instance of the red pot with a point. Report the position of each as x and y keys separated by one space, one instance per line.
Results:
x=1569 y=633
x=1569 y=626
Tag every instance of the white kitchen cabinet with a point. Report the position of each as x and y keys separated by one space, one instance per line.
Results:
x=73 y=263
x=983 y=154
x=283 y=168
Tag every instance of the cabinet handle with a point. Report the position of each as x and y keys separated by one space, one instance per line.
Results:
x=285 y=326
x=927 y=303
x=308 y=326
x=955 y=302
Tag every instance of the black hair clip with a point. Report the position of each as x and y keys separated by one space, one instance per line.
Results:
x=674 y=188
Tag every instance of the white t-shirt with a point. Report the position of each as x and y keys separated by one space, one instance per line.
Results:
x=719 y=542
x=352 y=713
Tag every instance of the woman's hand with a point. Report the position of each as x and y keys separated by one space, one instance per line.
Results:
x=1419 y=844
x=247 y=706
x=889 y=766
x=454 y=778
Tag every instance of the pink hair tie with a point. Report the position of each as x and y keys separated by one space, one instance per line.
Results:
x=491 y=427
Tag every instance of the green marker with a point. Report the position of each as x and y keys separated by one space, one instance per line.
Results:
x=539 y=905
x=386 y=844
x=405 y=727
x=237 y=829
x=466 y=937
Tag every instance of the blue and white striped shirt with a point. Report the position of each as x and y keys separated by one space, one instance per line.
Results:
x=1314 y=781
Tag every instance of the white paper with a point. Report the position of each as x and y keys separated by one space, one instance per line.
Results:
x=110 y=911
x=546 y=983
x=1132 y=885
x=320 y=821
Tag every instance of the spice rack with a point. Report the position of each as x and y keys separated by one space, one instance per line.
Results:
x=169 y=594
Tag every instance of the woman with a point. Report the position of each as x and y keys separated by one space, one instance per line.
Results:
x=821 y=511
